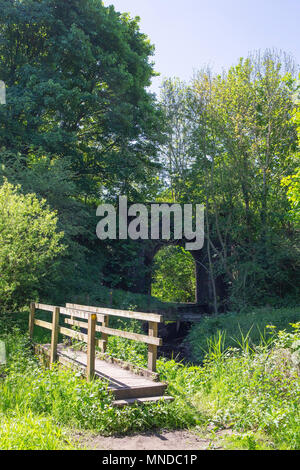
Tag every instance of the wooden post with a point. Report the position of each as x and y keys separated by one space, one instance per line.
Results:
x=31 y=319
x=104 y=336
x=54 y=336
x=90 y=369
x=152 y=349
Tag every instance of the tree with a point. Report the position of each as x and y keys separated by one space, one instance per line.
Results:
x=241 y=144
x=175 y=151
x=76 y=75
x=79 y=125
x=292 y=183
x=29 y=246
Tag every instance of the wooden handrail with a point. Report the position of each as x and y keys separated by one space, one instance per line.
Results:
x=72 y=312
x=43 y=324
x=47 y=308
x=94 y=315
x=153 y=317
x=114 y=332
x=130 y=335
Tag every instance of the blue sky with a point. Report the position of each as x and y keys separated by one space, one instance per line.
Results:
x=189 y=34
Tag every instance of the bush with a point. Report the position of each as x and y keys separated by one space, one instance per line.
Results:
x=29 y=245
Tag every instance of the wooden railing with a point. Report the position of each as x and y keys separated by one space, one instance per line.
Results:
x=95 y=319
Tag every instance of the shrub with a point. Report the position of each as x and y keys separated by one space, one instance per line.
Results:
x=29 y=244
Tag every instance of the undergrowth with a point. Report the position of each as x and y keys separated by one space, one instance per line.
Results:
x=236 y=325
x=252 y=389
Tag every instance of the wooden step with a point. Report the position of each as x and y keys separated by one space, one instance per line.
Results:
x=136 y=391
x=134 y=401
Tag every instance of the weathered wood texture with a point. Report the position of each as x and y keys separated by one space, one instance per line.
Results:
x=54 y=335
x=90 y=370
x=43 y=324
x=47 y=308
x=31 y=319
x=73 y=334
x=94 y=315
x=123 y=383
x=152 y=349
x=119 y=313
x=129 y=335
x=80 y=324
x=104 y=336
x=77 y=313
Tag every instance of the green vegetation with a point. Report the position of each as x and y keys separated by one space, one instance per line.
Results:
x=253 y=389
x=174 y=275
x=21 y=431
x=230 y=141
x=62 y=398
x=79 y=128
x=235 y=327
x=29 y=245
x=292 y=182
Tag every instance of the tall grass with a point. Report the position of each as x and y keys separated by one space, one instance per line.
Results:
x=236 y=327
x=25 y=431
x=252 y=389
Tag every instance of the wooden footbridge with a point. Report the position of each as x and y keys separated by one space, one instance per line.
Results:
x=128 y=383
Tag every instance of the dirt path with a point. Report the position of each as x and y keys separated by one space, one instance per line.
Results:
x=163 y=440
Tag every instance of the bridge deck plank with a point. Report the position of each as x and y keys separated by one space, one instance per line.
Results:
x=122 y=382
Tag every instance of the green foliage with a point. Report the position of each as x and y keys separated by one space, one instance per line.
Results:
x=230 y=141
x=29 y=245
x=293 y=194
x=253 y=390
x=62 y=397
x=236 y=326
x=79 y=125
x=256 y=391
x=174 y=275
x=76 y=75
x=292 y=182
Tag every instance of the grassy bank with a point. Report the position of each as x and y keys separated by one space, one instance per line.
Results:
x=236 y=326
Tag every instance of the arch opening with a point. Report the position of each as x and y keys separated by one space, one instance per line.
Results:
x=173 y=275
